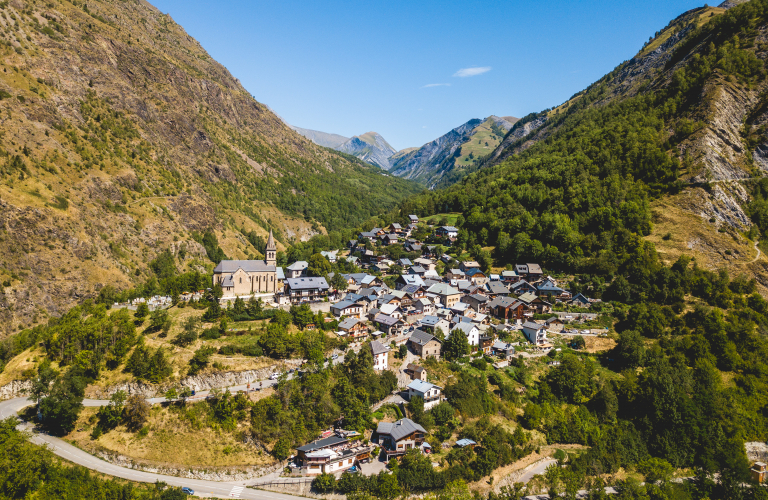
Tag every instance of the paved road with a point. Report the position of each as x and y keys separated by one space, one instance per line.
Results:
x=539 y=469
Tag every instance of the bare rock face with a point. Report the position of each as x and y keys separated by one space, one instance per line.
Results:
x=16 y=389
x=720 y=149
x=201 y=382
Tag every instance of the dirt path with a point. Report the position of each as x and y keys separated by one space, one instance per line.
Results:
x=758 y=252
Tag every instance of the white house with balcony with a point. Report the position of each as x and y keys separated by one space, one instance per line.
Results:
x=430 y=393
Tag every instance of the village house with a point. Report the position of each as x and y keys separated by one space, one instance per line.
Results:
x=247 y=277
x=476 y=276
x=530 y=272
x=389 y=324
x=380 y=355
x=424 y=306
x=449 y=232
x=416 y=372
x=348 y=308
x=424 y=344
x=331 y=256
x=353 y=328
x=297 y=269
x=486 y=341
x=332 y=454
x=476 y=302
x=536 y=303
x=427 y=264
x=581 y=301
x=509 y=277
x=414 y=291
x=535 y=333
x=417 y=270
x=554 y=324
x=549 y=289
x=496 y=289
x=413 y=219
x=301 y=290
x=455 y=274
x=412 y=247
x=447 y=295
x=503 y=349
x=430 y=393
x=408 y=279
x=367 y=235
x=433 y=323
x=522 y=287
x=396 y=438
x=469 y=264
x=380 y=268
x=507 y=308
x=388 y=239
x=470 y=330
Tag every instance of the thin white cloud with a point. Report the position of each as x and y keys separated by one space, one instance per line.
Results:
x=474 y=71
x=423 y=126
x=436 y=85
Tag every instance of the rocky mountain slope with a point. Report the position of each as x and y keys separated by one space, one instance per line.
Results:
x=121 y=137
x=370 y=147
x=324 y=139
x=723 y=112
x=443 y=160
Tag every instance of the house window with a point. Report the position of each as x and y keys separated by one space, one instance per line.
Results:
x=241 y=280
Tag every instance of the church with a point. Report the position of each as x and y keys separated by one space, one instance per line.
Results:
x=246 y=277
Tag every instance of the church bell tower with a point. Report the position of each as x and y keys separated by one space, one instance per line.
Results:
x=271 y=251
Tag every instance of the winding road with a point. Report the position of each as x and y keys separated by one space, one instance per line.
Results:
x=65 y=450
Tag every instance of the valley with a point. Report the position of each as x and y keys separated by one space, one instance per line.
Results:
x=569 y=304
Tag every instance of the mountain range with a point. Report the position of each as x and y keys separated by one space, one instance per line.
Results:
x=438 y=161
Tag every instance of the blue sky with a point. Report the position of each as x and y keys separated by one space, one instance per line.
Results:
x=395 y=67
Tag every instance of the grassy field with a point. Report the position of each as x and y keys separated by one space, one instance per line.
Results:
x=171 y=440
x=483 y=142
x=450 y=218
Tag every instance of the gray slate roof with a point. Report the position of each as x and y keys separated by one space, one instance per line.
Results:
x=378 y=348
x=323 y=443
x=249 y=266
x=400 y=429
x=421 y=337
x=533 y=326
x=307 y=283
x=348 y=323
x=299 y=265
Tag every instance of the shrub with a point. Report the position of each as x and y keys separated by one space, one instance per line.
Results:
x=324 y=483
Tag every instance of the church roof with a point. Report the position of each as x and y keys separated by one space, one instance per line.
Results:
x=249 y=266
x=271 y=242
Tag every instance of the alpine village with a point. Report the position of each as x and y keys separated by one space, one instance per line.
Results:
x=199 y=299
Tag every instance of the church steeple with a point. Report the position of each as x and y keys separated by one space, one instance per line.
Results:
x=271 y=250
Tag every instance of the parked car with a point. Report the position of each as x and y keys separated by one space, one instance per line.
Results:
x=187 y=491
x=274 y=376
x=335 y=356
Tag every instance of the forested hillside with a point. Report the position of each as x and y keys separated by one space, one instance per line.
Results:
x=671 y=139
x=120 y=135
